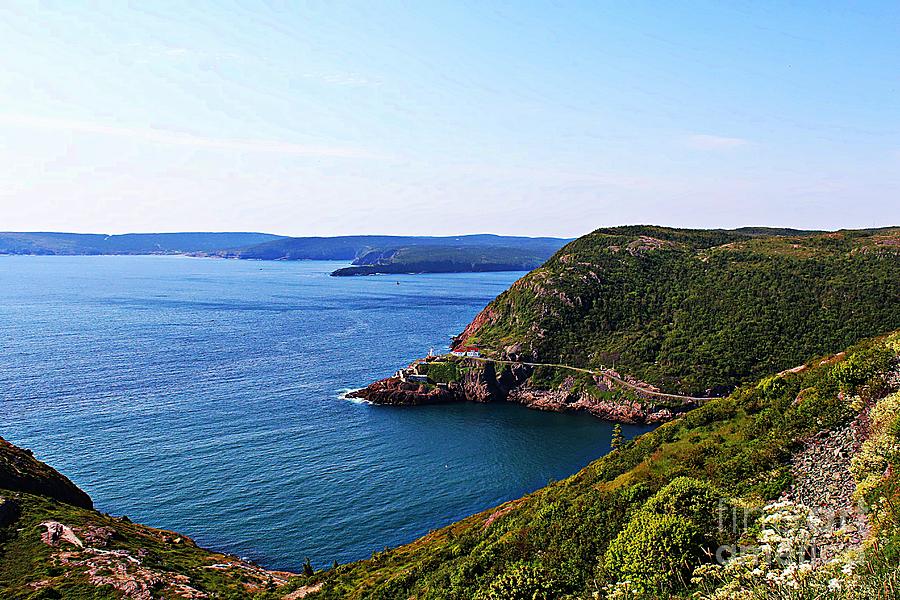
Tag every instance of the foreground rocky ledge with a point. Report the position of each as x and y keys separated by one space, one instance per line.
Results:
x=55 y=545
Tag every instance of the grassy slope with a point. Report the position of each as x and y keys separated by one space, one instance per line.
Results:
x=27 y=563
x=559 y=534
x=693 y=310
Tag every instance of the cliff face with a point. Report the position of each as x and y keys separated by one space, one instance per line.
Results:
x=481 y=382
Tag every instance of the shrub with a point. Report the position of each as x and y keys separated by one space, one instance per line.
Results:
x=872 y=462
x=772 y=387
x=861 y=366
x=777 y=565
x=443 y=372
x=636 y=493
x=698 y=501
x=712 y=412
x=654 y=552
x=522 y=582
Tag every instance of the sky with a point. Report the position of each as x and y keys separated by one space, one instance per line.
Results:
x=440 y=118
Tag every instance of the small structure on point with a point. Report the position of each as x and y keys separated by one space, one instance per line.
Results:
x=472 y=351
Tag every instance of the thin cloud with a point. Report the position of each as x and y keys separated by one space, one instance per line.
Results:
x=343 y=79
x=714 y=142
x=149 y=53
x=176 y=138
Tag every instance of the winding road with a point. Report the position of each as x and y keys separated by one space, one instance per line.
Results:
x=602 y=373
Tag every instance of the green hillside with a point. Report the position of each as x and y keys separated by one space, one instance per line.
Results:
x=643 y=521
x=694 y=311
x=451 y=259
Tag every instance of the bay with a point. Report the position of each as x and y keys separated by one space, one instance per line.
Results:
x=204 y=396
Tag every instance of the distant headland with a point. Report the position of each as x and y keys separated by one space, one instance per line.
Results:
x=368 y=254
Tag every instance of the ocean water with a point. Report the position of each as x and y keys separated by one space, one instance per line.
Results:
x=203 y=396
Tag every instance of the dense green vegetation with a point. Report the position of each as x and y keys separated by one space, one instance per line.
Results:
x=375 y=249
x=447 y=371
x=645 y=513
x=695 y=311
x=452 y=259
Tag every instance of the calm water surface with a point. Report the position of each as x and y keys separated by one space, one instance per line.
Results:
x=204 y=396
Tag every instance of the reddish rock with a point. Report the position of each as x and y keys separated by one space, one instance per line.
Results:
x=485 y=316
x=482 y=383
x=393 y=391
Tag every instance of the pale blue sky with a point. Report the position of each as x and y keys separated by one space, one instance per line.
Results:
x=535 y=118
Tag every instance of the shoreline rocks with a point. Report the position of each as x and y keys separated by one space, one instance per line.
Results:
x=482 y=383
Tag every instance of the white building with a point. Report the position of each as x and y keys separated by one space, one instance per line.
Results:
x=466 y=351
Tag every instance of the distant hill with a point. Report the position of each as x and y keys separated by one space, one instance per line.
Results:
x=375 y=250
x=48 y=243
x=454 y=255
x=369 y=253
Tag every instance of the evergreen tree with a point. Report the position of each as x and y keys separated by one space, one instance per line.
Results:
x=617 y=438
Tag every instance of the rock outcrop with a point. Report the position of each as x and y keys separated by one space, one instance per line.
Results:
x=22 y=472
x=618 y=412
x=395 y=392
x=482 y=382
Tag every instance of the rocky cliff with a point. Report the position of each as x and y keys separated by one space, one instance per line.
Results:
x=481 y=381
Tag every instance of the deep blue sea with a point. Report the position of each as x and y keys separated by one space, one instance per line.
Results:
x=203 y=396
